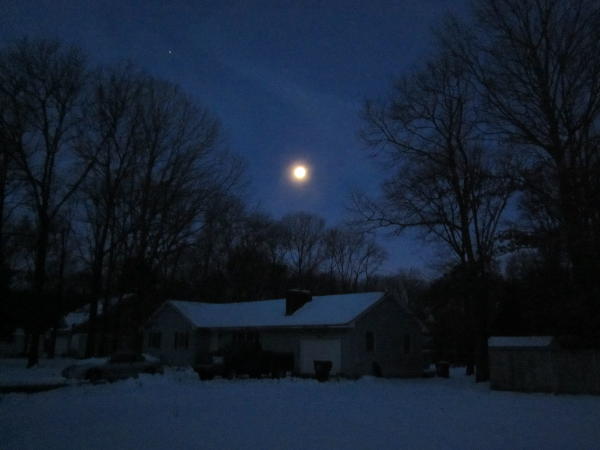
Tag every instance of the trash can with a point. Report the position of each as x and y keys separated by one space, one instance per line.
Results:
x=442 y=369
x=322 y=369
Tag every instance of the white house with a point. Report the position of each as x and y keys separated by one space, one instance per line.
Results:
x=358 y=333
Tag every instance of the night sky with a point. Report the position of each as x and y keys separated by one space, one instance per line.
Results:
x=286 y=78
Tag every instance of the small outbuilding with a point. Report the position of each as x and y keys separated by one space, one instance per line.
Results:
x=521 y=363
x=361 y=334
x=543 y=364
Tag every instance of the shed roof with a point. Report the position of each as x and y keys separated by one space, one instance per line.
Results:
x=326 y=310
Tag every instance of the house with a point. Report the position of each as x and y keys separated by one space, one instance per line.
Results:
x=114 y=326
x=13 y=344
x=360 y=334
x=70 y=337
x=17 y=343
x=543 y=364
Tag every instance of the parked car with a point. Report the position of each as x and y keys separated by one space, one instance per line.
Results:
x=119 y=366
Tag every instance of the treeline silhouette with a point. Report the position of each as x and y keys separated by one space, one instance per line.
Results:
x=115 y=182
x=493 y=151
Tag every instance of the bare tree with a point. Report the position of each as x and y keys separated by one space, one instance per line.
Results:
x=447 y=182
x=221 y=222
x=353 y=256
x=180 y=167
x=177 y=171
x=114 y=123
x=60 y=261
x=45 y=86
x=538 y=66
x=303 y=234
x=8 y=182
x=256 y=266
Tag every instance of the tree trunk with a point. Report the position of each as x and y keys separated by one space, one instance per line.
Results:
x=34 y=347
x=103 y=347
x=470 y=370
x=58 y=308
x=482 y=372
x=39 y=279
x=581 y=244
x=51 y=352
x=3 y=182
x=90 y=345
x=26 y=342
x=108 y=333
x=470 y=331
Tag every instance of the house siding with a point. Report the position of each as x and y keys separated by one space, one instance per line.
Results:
x=169 y=321
x=390 y=324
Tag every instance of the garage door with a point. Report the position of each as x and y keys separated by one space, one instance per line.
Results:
x=320 y=350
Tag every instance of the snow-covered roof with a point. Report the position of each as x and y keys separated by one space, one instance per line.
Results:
x=520 y=341
x=76 y=318
x=81 y=315
x=332 y=310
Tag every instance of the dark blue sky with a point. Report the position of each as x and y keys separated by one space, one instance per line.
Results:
x=286 y=78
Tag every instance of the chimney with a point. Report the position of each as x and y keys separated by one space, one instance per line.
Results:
x=296 y=299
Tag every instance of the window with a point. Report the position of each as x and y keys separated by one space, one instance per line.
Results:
x=250 y=337
x=154 y=340
x=182 y=340
x=370 y=341
x=406 y=344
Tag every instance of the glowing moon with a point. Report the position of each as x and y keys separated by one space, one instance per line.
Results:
x=299 y=173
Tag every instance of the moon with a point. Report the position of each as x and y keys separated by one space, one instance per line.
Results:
x=300 y=173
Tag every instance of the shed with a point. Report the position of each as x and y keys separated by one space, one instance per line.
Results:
x=521 y=363
x=357 y=332
x=542 y=364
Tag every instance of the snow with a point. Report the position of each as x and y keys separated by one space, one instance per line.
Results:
x=13 y=371
x=321 y=310
x=81 y=315
x=520 y=341
x=76 y=318
x=177 y=411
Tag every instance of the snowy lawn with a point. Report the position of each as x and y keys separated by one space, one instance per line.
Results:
x=178 y=411
x=13 y=371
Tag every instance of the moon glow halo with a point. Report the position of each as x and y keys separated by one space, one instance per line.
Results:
x=299 y=173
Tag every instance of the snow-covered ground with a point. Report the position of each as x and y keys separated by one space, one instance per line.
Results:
x=14 y=373
x=178 y=411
